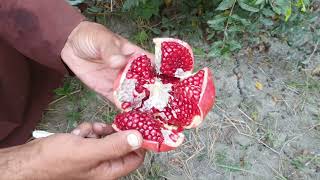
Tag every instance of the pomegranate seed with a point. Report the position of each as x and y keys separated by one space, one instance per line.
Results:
x=146 y=132
x=125 y=105
x=153 y=132
x=173 y=137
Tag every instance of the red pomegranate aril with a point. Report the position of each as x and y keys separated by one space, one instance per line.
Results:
x=173 y=137
x=125 y=105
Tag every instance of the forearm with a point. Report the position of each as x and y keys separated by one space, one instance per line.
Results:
x=16 y=163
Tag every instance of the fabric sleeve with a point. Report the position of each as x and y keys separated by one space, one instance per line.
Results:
x=38 y=29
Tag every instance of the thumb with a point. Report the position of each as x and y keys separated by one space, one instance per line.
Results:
x=118 y=144
x=117 y=61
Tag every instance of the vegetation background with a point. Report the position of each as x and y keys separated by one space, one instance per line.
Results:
x=266 y=60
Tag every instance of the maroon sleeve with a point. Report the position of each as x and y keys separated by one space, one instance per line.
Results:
x=38 y=28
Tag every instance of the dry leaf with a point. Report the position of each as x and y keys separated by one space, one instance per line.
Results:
x=259 y=86
x=316 y=71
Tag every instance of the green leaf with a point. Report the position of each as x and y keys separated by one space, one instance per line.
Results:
x=215 y=50
x=156 y=31
x=280 y=6
x=130 y=4
x=199 y=51
x=266 y=21
x=268 y=12
x=225 y=4
x=302 y=4
x=217 y=23
x=258 y=2
x=244 y=4
x=288 y=14
x=235 y=29
x=141 y=37
x=210 y=36
x=217 y=20
x=148 y=9
x=94 y=9
x=243 y=21
x=234 y=45
x=65 y=90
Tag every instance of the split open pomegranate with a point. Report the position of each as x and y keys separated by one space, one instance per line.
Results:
x=161 y=98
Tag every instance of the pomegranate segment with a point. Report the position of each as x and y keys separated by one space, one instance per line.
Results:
x=173 y=57
x=143 y=122
x=156 y=136
x=161 y=99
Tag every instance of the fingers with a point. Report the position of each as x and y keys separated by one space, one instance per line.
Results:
x=83 y=130
x=117 y=61
x=92 y=130
x=121 y=53
x=102 y=129
x=116 y=145
x=122 y=166
x=130 y=49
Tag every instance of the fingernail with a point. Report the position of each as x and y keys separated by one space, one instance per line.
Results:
x=76 y=132
x=133 y=141
x=103 y=125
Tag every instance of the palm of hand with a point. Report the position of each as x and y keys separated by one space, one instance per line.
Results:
x=98 y=76
x=97 y=55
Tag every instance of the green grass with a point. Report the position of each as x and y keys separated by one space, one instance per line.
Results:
x=310 y=84
x=229 y=165
x=109 y=117
x=300 y=162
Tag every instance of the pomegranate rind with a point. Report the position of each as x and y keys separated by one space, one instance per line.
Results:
x=207 y=99
x=156 y=146
x=158 y=54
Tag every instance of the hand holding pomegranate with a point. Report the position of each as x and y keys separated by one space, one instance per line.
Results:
x=71 y=156
x=96 y=56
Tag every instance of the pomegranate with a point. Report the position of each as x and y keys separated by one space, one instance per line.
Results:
x=161 y=98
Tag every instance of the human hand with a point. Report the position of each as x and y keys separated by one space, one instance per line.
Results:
x=70 y=156
x=96 y=56
x=93 y=130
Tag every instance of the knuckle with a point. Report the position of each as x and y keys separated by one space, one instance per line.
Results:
x=115 y=148
x=85 y=125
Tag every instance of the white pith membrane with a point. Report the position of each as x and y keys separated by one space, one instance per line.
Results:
x=126 y=94
x=167 y=135
x=159 y=95
x=158 y=98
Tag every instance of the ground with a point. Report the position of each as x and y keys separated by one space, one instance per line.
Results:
x=265 y=124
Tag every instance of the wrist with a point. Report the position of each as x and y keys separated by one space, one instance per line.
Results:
x=18 y=163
